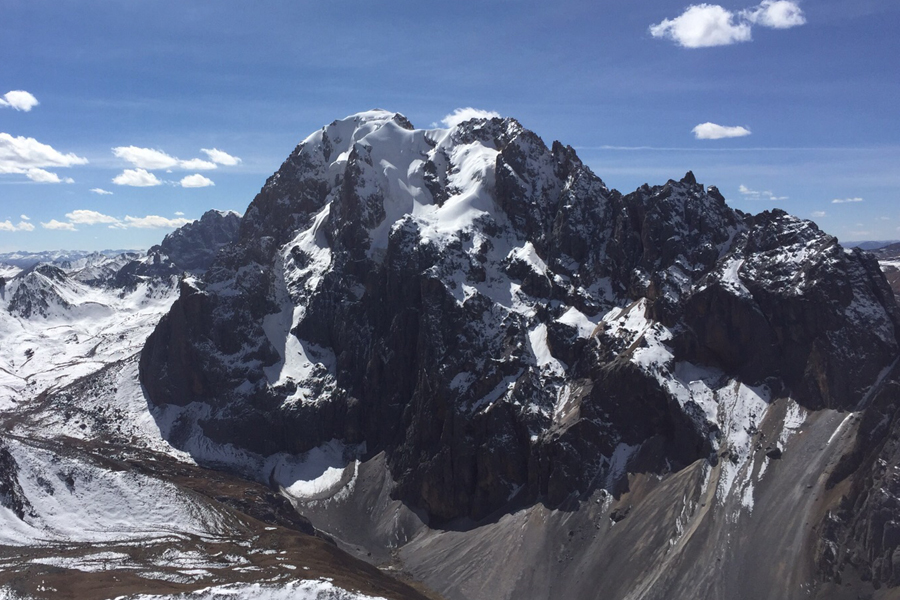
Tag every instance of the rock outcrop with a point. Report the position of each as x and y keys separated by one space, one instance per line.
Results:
x=189 y=249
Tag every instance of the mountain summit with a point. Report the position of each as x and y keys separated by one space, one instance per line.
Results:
x=481 y=313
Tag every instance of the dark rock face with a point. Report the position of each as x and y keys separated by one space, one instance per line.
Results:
x=11 y=494
x=861 y=535
x=195 y=245
x=190 y=248
x=487 y=312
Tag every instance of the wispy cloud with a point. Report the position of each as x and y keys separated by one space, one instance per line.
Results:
x=89 y=217
x=461 y=115
x=711 y=131
x=197 y=164
x=818 y=214
x=42 y=176
x=101 y=192
x=845 y=200
x=23 y=225
x=146 y=158
x=707 y=25
x=757 y=195
x=58 y=225
x=154 y=222
x=196 y=181
x=19 y=100
x=153 y=159
x=777 y=14
x=221 y=157
x=22 y=154
x=136 y=178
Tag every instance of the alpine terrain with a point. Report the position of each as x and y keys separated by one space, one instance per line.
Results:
x=93 y=502
x=452 y=363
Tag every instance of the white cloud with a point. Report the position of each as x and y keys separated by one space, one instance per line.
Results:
x=197 y=164
x=136 y=178
x=89 y=217
x=25 y=217
x=146 y=158
x=101 y=192
x=755 y=195
x=19 y=154
x=152 y=159
x=819 y=214
x=701 y=26
x=21 y=226
x=196 y=181
x=58 y=226
x=461 y=115
x=179 y=214
x=19 y=100
x=154 y=221
x=221 y=157
x=711 y=131
x=706 y=25
x=777 y=14
x=42 y=176
x=845 y=200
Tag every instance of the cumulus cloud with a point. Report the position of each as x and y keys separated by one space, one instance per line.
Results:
x=20 y=154
x=777 y=14
x=153 y=222
x=90 y=217
x=707 y=25
x=845 y=200
x=146 y=158
x=196 y=181
x=42 y=176
x=25 y=217
x=819 y=214
x=197 y=164
x=136 y=178
x=220 y=157
x=711 y=131
x=461 y=115
x=58 y=225
x=756 y=195
x=701 y=26
x=19 y=100
x=23 y=225
x=101 y=192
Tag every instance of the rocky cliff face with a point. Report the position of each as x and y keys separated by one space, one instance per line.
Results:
x=483 y=309
x=189 y=249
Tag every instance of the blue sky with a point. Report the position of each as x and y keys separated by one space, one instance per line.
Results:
x=809 y=89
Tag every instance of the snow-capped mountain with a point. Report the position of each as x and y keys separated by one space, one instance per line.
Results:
x=465 y=359
x=65 y=259
x=486 y=334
